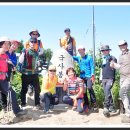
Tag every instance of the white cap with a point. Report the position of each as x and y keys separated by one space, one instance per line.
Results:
x=4 y=38
x=52 y=67
x=122 y=42
x=80 y=47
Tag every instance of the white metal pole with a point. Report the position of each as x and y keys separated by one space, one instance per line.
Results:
x=93 y=40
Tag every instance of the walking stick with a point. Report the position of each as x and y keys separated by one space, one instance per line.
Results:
x=7 y=118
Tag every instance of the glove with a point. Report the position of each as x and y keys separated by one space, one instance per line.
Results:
x=93 y=78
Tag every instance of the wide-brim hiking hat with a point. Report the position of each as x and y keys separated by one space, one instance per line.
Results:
x=15 y=42
x=67 y=30
x=122 y=42
x=52 y=67
x=105 y=48
x=34 y=30
x=80 y=47
x=4 y=38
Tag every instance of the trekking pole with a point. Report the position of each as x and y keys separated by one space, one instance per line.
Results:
x=8 y=117
x=3 y=117
x=0 y=100
x=9 y=101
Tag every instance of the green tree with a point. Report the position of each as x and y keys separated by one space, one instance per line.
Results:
x=20 y=47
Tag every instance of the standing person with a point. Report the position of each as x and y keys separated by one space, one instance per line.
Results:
x=124 y=69
x=86 y=66
x=48 y=90
x=38 y=46
x=28 y=59
x=12 y=57
x=34 y=33
x=74 y=86
x=68 y=43
x=12 y=62
x=4 y=85
x=108 y=78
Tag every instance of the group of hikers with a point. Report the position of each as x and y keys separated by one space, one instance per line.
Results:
x=75 y=87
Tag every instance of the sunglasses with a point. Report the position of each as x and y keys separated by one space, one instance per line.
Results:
x=34 y=34
x=104 y=50
x=33 y=42
x=52 y=70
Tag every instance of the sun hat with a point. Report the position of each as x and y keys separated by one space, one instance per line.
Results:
x=34 y=30
x=122 y=42
x=52 y=67
x=4 y=38
x=67 y=30
x=80 y=47
x=105 y=48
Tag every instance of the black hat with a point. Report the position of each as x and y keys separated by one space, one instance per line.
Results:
x=105 y=48
x=67 y=30
x=33 y=40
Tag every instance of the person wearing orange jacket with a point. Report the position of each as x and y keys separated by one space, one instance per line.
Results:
x=68 y=42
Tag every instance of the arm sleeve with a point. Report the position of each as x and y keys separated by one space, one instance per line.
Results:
x=14 y=60
x=92 y=66
x=76 y=58
x=21 y=57
x=100 y=77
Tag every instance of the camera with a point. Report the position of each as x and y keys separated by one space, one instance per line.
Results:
x=110 y=59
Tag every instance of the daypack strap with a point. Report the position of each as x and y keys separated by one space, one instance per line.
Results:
x=39 y=41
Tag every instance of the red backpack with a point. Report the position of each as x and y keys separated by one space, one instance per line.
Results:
x=3 y=66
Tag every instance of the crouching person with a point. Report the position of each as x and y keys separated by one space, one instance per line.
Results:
x=48 y=90
x=4 y=85
x=75 y=90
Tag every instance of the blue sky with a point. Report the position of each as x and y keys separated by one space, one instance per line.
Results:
x=112 y=23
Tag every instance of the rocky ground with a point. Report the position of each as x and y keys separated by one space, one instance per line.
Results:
x=62 y=117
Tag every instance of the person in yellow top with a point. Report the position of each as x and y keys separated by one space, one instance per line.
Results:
x=48 y=89
x=68 y=43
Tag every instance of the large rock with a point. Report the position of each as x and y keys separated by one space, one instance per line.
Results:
x=62 y=60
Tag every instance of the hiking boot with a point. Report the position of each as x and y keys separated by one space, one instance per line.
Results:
x=74 y=108
x=112 y=109
x=95 y=108
x=51 y=106
x=4 y=109
x=47 y=111
x=106 y=112
x=20 y=113
x=39 y=107
x=23 y=106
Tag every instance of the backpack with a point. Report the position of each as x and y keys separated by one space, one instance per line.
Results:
x=39 y=41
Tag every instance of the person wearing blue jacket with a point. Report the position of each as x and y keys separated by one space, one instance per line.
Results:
x=86 y=66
